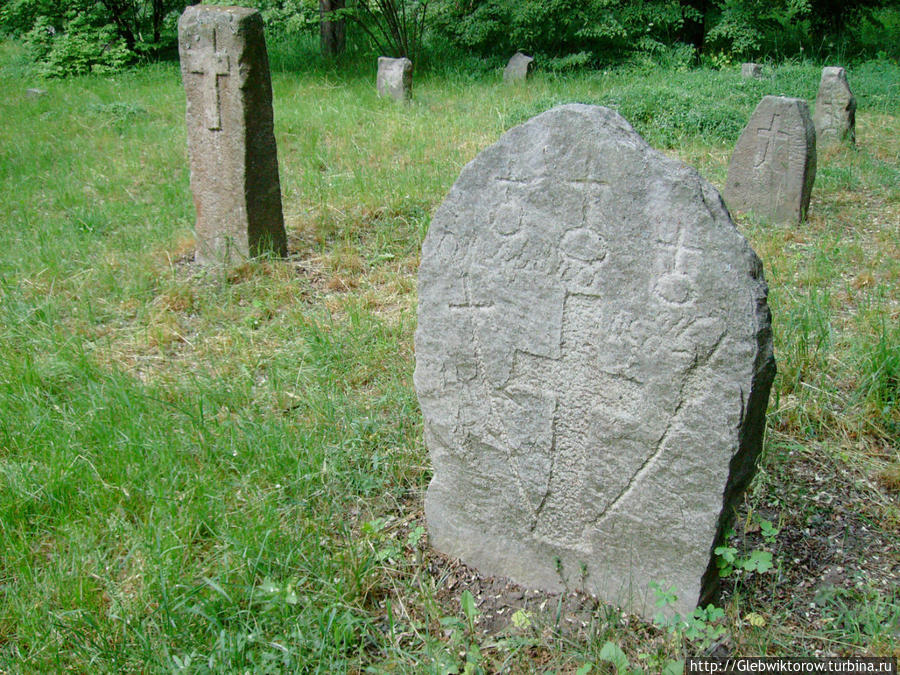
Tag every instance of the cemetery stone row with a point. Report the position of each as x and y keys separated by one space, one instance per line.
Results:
x=773 y=166
x=594 y=353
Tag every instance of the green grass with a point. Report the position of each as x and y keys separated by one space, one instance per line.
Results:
x=223 y=470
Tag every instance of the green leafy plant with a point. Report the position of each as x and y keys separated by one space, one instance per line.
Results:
x=463 y=642
x=80 y=47
x=702 y=626
x=611 y=653
x=729 y=560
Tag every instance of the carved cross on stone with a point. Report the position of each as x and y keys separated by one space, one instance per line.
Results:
x=593 y=357
x=773 y=166
x=230 y=134
x=772 y=135
x=212 y=65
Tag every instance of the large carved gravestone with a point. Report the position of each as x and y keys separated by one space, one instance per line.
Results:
x=835 y=114
x=234 y=164
x=773 y=166
x=593 y=363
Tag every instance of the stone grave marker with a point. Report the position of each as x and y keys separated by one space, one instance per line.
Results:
x=751 y=71
x=518 y=68
x=394 y=78
x=835 y=114
x=231 y=143
x=773 y=166
x=593 y=363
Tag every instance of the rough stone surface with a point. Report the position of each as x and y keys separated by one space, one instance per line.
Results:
x=394 y=78
x=593 y=363
x=773 y=166
x=835 y=115
x=234 y=163
x=751 y=70
x=518 y=68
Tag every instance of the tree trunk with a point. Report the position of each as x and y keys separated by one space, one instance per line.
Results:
x=118 y=10
x=332 y=32
x=693 y=30
x=158 y=15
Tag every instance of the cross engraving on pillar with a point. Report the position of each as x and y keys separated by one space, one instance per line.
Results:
x=211 y=65
x=772 y=135
x=559 y=400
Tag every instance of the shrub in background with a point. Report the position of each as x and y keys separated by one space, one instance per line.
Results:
x=80 y=47
x=82 y=36
x=558 y=28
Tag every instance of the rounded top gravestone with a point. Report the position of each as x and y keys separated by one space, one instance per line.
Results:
x=593 y=361
x=518 y=68
x=394 y=78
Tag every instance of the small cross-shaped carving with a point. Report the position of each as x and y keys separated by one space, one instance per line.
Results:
x=212 y=64
x=770 y=135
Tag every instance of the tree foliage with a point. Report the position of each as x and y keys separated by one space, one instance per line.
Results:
x=614 y=28
x=79 y=36
x=559 y=27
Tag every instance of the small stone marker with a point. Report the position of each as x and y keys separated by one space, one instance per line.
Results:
x=394 y=78
x=518 y=68
x=35 y=93
x=835 y=115
x=773 y=166
x=593 y=362
x=234 y=163
x=751 y=70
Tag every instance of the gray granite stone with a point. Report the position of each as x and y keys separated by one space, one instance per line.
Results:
x=773 y=166
x=231 y=143
x=518 y=68
x=751 y=71
x=394 y=78
x=593 y=363
x=835 y=114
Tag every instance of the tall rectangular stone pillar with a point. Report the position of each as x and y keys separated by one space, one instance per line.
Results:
x=231 y=142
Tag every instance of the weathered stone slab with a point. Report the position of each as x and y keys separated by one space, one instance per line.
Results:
x=593 y=363
x=231 y=142
x=835 y=115
x=35 y=93
x=751 y=71
x=518 y=68
x=773 y=166
x=394 y=78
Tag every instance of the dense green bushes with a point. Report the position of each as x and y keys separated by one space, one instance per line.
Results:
x=102 y=35
x=559 y=28
x=83 y=36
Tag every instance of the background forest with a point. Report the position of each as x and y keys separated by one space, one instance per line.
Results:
x=105 y=35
